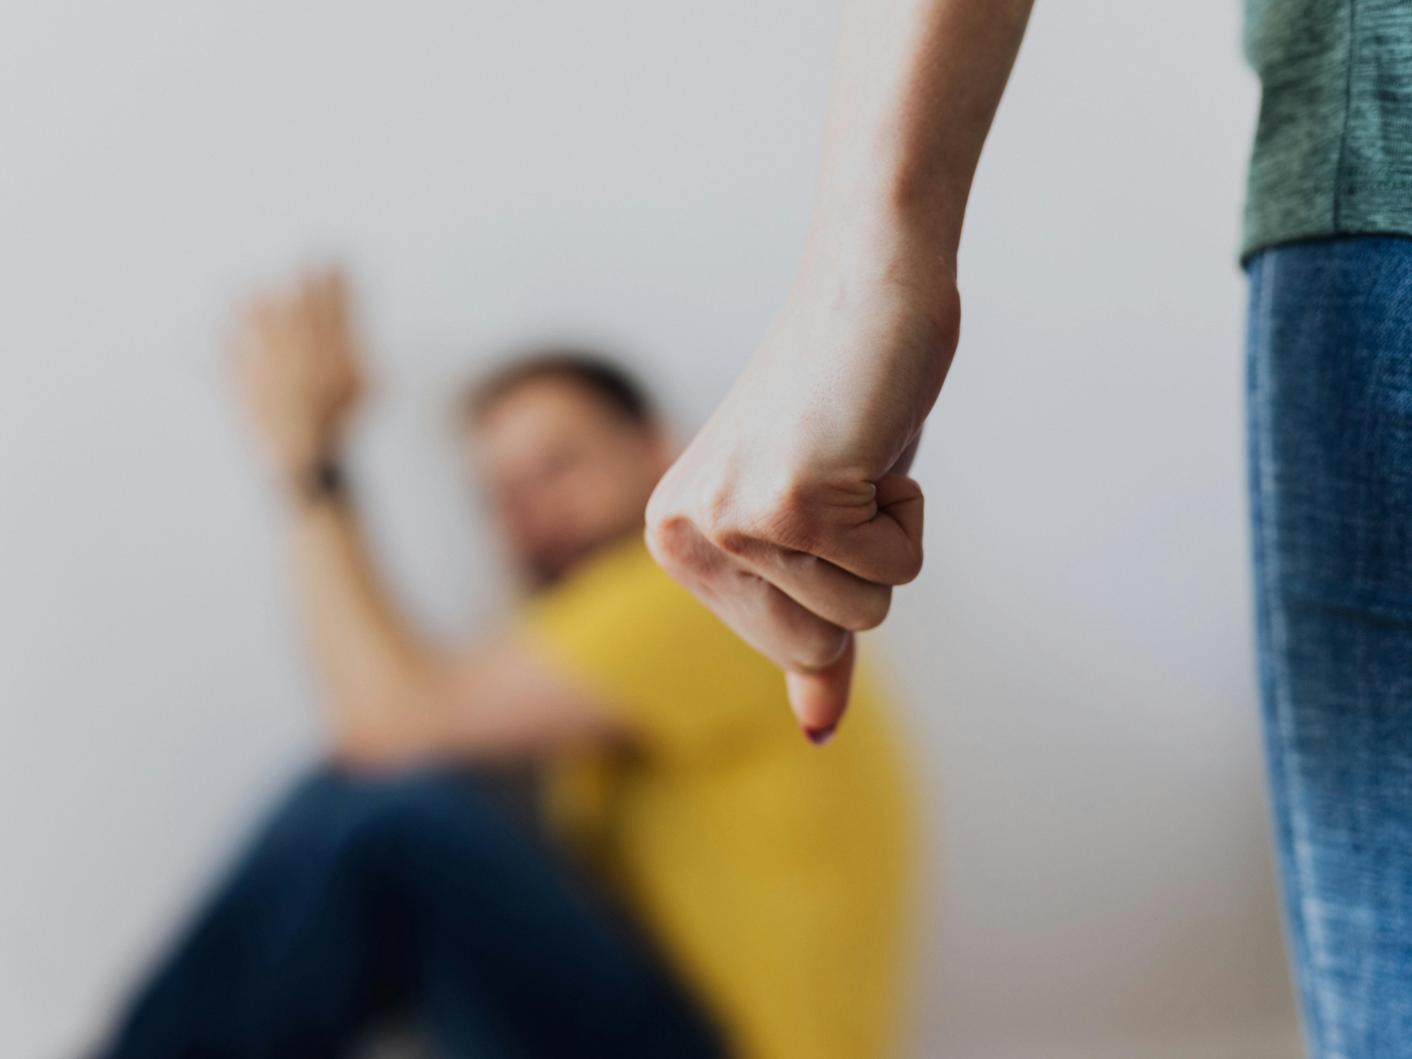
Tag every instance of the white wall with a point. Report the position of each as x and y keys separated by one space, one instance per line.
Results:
x=1077 y=653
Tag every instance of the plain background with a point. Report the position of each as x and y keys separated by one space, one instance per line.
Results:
x=1076 y=658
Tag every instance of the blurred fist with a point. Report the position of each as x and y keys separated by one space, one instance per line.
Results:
x=790 y=514
x=299 y=368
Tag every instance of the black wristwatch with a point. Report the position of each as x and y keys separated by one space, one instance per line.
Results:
x=324 y=480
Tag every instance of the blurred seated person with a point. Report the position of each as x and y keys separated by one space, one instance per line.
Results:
x=707 y=882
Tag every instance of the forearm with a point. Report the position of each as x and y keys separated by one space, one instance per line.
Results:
x=790 y=514
x=396 y=699
x=916 y=87
x=371 y=661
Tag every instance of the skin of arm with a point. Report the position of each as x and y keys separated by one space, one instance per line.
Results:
x=394 y=698
x=791 y=514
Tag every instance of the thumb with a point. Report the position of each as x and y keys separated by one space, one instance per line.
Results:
x=819 y=698
x=887 y=549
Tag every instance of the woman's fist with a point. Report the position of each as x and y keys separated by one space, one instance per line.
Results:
x=790 y=514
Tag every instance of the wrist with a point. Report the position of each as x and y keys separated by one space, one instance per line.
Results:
x=901 y=203
x=319 y=481
x=876 y=247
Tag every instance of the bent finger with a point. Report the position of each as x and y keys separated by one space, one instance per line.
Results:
x=789 y=634
x=831 y=592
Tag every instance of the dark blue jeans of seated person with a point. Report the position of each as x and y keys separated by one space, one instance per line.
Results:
x=419 y=897
x=1330 y=430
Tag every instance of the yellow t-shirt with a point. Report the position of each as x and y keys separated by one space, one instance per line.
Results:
x=773 y=874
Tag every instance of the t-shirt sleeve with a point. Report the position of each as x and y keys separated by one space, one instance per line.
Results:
x=677 y=679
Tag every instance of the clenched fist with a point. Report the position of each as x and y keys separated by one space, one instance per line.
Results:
x=791 y=514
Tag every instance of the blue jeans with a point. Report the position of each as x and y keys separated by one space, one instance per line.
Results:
x=409 y=897
x=1330 y=420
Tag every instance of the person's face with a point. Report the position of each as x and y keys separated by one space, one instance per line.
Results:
x=564 y=472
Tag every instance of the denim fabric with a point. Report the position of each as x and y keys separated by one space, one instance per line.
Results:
x=413 y=897
x=1330 y=435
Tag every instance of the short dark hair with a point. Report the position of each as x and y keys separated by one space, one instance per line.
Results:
x=596 y=373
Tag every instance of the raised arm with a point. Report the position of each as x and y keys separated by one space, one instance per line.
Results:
x=393 y=695
x=791 y=513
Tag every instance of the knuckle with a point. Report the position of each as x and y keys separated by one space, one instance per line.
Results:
x=789 y=496
x=730 y=540
x=910 y=566
x=820 y=648
x=718 y=513
x=788 y=517
x=669 y=539
x=870 y=611
x=721 y=526
x=655 y=514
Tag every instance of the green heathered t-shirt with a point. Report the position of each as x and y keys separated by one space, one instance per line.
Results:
x=1333 y=148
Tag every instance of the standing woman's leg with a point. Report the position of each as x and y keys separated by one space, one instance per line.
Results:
x=1330 y=416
